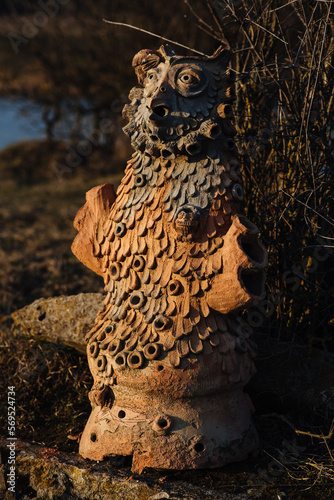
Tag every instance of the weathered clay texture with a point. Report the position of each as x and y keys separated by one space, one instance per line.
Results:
x=168 y=354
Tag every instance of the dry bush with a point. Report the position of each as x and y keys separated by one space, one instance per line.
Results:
x=284 y=112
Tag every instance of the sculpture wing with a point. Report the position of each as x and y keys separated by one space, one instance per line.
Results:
x=89 y=223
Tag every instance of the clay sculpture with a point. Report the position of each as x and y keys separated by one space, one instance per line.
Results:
x=168 y=353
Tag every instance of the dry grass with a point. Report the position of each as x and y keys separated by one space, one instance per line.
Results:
x=51 y=385
x=37 y=211
x=284 y=111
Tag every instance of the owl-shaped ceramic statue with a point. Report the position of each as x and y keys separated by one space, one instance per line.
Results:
x=168 y=352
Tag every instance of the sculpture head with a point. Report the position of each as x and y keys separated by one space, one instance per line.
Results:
x=181 y=103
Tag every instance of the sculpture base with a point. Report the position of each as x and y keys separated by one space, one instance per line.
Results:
x=202 y=432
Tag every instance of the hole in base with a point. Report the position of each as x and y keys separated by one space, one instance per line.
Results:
x=199 y=447
x=121 y=414
x=93 y=437
x=162 y=423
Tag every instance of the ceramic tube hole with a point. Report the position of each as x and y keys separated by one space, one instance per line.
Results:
x=135 y=359
x=215 y=131
x=101 y=363
x=94 y=349
x=121 y=360
x=166 y=153
x=228 y=111
x=247 y=224
x=137 y=300
x=140 y=180
x=115 y=271
x=158 y=324
x=193 y=148
x=161 y=323
x=139 y=263
x=109 y=328
x=174 y=287
x=237 y=192
x=162 y=424
x=120 y=229
x=253 y=249
x=253 y=281
x=113 y=347
x=230 y=143
x=152 y=351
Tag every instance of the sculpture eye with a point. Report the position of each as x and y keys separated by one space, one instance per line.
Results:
x=151 y=76
x=189 y=78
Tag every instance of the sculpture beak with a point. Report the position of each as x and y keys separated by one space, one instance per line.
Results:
x=159 y=107
x=159 y=102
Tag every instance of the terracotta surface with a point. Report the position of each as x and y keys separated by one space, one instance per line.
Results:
x=167 y=353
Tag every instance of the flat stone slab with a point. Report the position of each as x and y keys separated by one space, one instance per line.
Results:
x=53 y=475
x=64 y=319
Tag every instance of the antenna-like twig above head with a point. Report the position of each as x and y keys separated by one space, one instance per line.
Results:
x=153 y=34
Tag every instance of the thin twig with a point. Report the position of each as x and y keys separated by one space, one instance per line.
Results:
x=307 y=206
x=270 y=33
x=153 y=34
x=282 y=6
x=199 y=19
x=216 y=19
x=316 y=436
x=305 y=34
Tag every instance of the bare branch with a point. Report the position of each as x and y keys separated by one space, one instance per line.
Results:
x=153 y=34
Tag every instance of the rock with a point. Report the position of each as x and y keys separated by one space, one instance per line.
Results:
x=63 y=319
x=53 y=475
